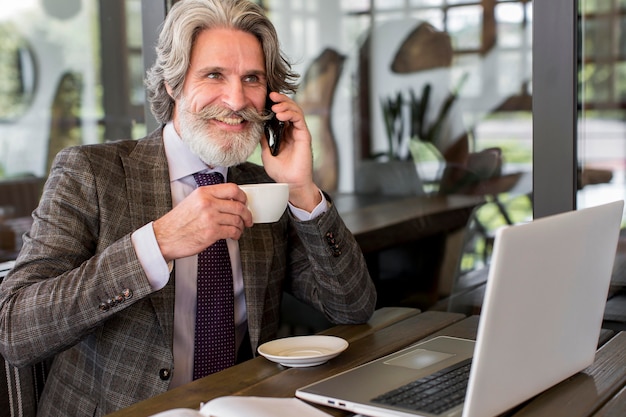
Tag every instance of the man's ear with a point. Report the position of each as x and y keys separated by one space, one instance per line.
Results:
x=169 y=90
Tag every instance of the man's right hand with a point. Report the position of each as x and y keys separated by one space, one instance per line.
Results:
x=207 y=215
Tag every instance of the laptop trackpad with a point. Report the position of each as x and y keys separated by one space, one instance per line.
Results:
x=419 y=359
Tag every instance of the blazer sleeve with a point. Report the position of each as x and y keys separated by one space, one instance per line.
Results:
x=73 y=273
x=328 y=269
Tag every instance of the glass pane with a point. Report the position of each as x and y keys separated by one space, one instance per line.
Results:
x=465 y=27
x=388 y=4
x=137 y=73
x=602 y=127
x=427 y=3
x=598 y=36
x=133 y=29
x=596 y=6
x=621 y=36
x=511 y=27
x=620 y=80
x=68 y=76
x=65 y=70
x=598 y=86
x=452 y=2
x=438 y=51
x=355 y=5
x=434 y=16
x=18 y=73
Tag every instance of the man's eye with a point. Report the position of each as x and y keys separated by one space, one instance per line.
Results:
x=213 y=75
x=251 y=79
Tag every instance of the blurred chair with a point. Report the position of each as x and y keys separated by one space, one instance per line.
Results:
x=20 y=388
x=481 y=175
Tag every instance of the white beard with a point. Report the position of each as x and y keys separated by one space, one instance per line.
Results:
x=214 y=146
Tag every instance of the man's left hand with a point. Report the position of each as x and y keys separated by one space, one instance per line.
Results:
x=294 y=162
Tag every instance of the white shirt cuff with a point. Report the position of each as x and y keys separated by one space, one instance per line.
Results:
x=150 y=257
x=304 y=215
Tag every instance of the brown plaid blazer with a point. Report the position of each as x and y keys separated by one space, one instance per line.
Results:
x=79 y=293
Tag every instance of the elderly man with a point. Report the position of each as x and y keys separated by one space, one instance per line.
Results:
x=106 y=280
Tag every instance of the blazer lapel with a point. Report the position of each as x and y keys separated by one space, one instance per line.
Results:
x=149 y=197
x=147 y=180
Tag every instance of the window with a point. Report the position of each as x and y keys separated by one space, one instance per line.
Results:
x=602 y=98
x=71 y=73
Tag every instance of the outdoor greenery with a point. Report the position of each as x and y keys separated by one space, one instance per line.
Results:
x=13 y=98
x=404 y=145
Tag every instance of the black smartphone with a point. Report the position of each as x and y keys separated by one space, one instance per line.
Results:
x=273 y=129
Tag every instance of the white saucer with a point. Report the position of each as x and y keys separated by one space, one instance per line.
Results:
x=301 y=351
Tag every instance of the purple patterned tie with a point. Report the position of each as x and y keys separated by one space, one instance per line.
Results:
x=214 y=347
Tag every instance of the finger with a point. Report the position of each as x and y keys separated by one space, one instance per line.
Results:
x=223 y=207
x=233 y=232
x=228 y=192
x=237 y=213
x=230 y=226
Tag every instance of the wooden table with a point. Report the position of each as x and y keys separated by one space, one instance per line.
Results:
x=388 y=330
x=379 y=222
x=410 y=234
x=600 y=390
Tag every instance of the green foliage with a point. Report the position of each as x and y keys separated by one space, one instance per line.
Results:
x=419 y=107
x=13 y=100
x=518 y=208
x=419 y=130
x=394 y=124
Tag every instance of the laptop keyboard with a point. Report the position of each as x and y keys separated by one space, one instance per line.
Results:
x=434 y=393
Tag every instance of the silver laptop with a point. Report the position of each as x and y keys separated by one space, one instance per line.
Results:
x=540 y=324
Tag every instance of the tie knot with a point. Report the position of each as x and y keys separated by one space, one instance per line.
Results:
x=208 y=178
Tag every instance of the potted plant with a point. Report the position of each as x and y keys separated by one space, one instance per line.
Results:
x=412 y=142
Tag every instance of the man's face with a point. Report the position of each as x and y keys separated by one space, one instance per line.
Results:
x=218 y=115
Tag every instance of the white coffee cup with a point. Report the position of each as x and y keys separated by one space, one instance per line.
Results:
x=266 y=201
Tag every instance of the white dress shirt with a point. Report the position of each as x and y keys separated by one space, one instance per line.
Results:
x=182 y=165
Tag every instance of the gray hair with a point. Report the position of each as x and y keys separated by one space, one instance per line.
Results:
x=185 y=20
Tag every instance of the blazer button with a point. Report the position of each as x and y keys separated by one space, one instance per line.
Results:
x=332 y=243
x=127 y=293
x=164 y=374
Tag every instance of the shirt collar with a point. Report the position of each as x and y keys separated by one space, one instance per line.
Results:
x=181 y=161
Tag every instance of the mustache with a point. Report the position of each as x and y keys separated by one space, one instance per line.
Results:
x=249 y=114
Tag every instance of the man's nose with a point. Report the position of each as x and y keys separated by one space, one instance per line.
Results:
x=234 y=96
